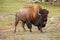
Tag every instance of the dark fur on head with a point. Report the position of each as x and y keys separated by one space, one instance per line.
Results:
x=44 y=15
x=43 y=11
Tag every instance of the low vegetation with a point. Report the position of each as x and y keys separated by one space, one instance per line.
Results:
x=7 y=19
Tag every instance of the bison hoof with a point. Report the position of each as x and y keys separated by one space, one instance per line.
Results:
x=14 y=31
x=30 y=30
x=41 y=31
x=25 y=30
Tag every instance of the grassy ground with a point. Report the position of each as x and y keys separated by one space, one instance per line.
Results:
x=14 y=5
x=7 y=19
x=53 y=9
x=10 y=5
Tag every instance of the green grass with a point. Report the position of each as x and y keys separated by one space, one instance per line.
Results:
x=53 y=9
x=14 y=5
x=7 y=21
x=10 y=5
x=47 y=4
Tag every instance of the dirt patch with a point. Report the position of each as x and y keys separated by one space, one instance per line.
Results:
x=51 y=31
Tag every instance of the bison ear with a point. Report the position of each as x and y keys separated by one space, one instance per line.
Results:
x=47 y=11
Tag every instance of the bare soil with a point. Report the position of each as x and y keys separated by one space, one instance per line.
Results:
x=51 y=31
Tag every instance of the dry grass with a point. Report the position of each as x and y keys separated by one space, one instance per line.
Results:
x=51 y=31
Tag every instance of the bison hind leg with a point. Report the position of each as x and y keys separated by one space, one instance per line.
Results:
x=15 y=26
x=16 y=22
x=22 y=24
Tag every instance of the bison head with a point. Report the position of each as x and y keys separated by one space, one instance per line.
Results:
x=44 y=14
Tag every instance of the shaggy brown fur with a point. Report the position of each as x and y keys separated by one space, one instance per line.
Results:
x=31 y=14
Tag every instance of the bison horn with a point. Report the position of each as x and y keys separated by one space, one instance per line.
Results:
x=39 y=13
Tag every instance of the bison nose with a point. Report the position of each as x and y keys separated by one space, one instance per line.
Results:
x=44 y=23
x=45 y=19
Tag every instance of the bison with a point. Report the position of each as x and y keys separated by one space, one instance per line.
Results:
x=43 y=12
x=29 y=16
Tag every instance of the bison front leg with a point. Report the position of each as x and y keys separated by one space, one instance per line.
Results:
x=29 y=25
x=40 y=28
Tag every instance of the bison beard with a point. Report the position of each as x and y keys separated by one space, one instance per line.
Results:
x=38 y=22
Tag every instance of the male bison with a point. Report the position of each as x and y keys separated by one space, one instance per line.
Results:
x=43 y=12
x=29 y=16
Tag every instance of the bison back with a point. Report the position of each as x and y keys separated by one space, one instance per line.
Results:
x=25 y=13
